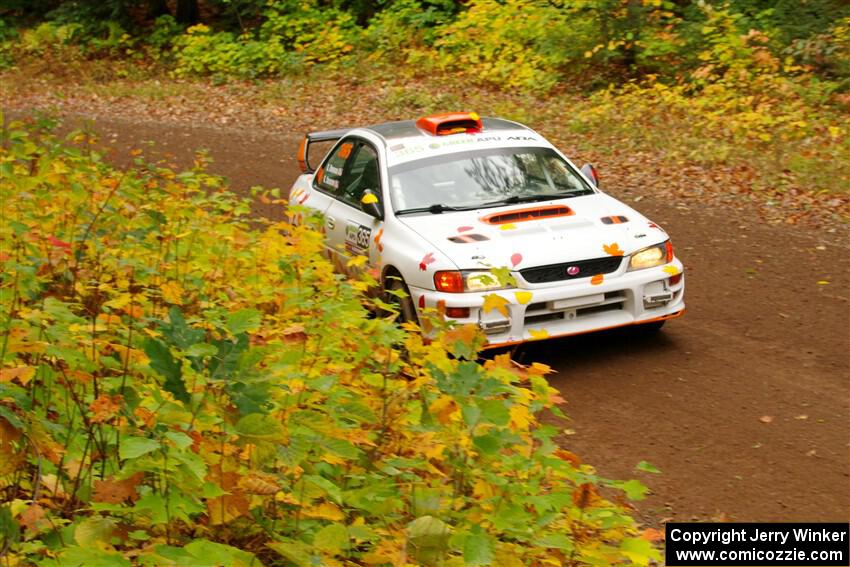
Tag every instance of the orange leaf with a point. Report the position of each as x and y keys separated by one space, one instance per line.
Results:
x=105 y=407
x=597 y=279
x=117 y=491
x=23 y=373
x=443 y=408
x=651 y=534
x=585 y=495
x=497 y=302
x=259 y=483
x=613 y=249
x=33 y=519
x=568 y=456
x=172 y=292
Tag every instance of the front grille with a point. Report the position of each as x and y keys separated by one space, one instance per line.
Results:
x=558 y=272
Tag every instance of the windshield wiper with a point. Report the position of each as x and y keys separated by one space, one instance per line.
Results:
x=435 y=209
x=514 y=199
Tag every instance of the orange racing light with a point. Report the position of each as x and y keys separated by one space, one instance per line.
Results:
x=450 y=123
x=450 y=281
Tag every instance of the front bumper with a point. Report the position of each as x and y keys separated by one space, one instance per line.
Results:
x=570 y=307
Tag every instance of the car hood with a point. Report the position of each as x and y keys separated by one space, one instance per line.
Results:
x=537 y=234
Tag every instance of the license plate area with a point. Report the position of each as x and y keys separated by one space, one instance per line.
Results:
x=583 y=301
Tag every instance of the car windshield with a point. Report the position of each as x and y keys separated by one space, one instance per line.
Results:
x=485 y=178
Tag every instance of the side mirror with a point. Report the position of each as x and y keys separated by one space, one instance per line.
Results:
x=371 y=204
x=590 y=172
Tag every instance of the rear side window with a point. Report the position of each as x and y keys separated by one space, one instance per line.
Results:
x=335 y=174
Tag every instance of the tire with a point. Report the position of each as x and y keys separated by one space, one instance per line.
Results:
x=406 y=310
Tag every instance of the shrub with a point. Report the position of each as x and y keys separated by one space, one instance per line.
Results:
x=179 y=382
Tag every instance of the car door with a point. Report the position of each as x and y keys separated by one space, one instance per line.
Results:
x=351 y=230
x=330 y=179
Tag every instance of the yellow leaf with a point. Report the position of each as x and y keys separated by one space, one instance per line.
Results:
x=172 y=292
x=672 y=270
x=497 y=302
x=537 y=335
x=823 y=282
x=369 y=198
x=358 y=262
x=324 y=511
x=23 y=373
x=520 y=416
x=523 y=297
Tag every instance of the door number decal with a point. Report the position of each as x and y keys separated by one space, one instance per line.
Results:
x=357 y=237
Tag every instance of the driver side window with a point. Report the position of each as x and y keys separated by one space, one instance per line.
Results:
x=364 y=175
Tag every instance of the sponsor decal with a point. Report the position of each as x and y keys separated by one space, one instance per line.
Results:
x=357 y=237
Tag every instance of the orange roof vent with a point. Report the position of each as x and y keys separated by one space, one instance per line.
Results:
x=450 y=123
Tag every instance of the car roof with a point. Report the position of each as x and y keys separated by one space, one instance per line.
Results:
x=401 y=129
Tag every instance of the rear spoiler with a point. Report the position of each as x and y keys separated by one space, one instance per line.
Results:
x=324 y=136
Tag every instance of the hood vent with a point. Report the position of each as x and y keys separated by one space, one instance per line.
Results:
x=467 y=238
x=618 y=219
x=522 y=215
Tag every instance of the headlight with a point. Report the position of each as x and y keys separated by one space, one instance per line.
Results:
x=481 y=281
x=453 y=281
x=651 y=256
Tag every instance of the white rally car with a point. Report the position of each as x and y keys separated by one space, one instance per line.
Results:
x=488 y=220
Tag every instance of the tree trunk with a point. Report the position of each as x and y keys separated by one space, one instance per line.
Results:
x=157 y=8
x=187 y=12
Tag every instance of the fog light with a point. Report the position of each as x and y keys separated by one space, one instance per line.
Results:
x=457 y=312
x=494 y=327
x=657 y=300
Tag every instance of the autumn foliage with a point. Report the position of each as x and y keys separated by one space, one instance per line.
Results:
x=183 y=384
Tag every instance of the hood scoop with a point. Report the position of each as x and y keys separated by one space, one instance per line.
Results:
x=534 y=213
x=467 y=238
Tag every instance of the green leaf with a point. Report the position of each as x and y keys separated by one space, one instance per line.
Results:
x=259 y=427
x=164 y=364
x=201 y=349
x=555 y=541
x=495 y=412
x=294 y=551
x=327 y=486
x=332 y=538
x=243 y=320
x=221 y=554
x=488 y=444
x=647 y=467
x=180 y=439
x=94 y=532
x=478 y=549
x=634 y=489
x=639 y=551
x=135 y=447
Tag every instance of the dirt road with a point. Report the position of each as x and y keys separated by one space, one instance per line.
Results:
x=743 y=404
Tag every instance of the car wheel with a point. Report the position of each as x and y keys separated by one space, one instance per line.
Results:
x=406 y=311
